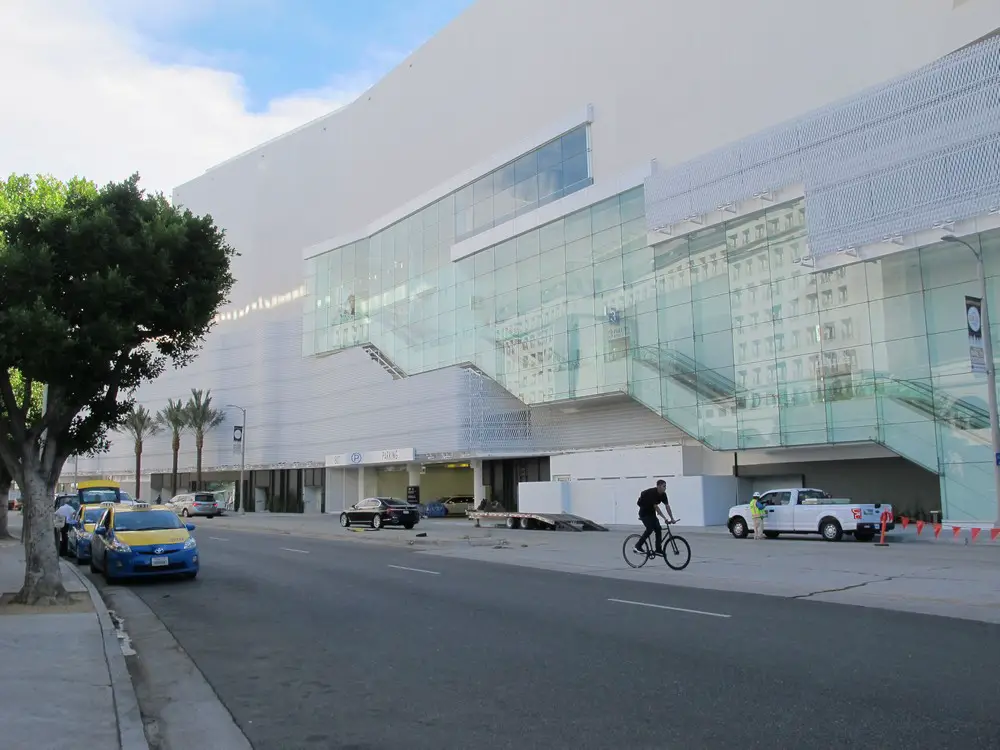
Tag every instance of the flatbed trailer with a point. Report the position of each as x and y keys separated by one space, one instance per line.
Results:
x=552 y=521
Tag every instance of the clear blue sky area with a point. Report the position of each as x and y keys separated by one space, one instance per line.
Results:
x=285 y=46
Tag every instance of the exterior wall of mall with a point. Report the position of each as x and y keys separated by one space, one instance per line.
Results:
x=489 y=221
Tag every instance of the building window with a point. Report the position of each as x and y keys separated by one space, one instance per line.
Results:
x=550 y=172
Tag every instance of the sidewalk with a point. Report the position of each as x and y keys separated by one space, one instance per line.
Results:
x=65 y=682
x=944 y=576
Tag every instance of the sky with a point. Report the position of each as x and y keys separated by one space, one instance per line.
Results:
x=169 y=88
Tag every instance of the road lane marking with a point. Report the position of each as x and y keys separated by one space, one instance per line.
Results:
x=416 y=570
x=218 y=539
x=672 y=609
x=300 y=551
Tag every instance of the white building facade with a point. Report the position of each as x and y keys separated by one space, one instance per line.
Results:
x=710 y=228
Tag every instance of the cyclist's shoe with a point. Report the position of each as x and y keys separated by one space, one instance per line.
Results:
x=639 y=551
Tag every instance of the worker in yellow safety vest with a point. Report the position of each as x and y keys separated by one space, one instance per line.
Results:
x=757 y=512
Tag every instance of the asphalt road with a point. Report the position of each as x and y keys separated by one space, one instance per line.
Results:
x=316 y=644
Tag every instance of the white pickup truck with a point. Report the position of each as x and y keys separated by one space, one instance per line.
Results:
x=811 y=511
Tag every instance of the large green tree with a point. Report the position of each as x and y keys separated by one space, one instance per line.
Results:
x=100 y=290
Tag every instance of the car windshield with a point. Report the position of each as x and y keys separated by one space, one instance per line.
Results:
x=92 y=515
x=150 y=520
x=204 y=498
x=99 y=495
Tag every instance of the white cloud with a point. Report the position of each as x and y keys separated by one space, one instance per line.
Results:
x=81 y=96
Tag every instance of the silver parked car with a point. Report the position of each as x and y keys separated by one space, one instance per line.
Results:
x=457 y=505
x=198 y=504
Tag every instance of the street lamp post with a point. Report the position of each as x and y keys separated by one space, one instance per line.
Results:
x=243 y=458
x=991 y=373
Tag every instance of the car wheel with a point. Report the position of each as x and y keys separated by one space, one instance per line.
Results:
x=376 y=521
x=738 y=527
x=771 y=534
x=830 y=529
x=191 y=576
x=107 y=576
x=345 y=520
x=407 y=526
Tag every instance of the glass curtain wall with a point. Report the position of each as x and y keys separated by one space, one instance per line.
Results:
x=749 y=349
x=723 y=332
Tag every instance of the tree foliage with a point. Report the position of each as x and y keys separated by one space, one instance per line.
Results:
x=202 y=418
x=174 y=418
x=139 y=425
x=100 y=290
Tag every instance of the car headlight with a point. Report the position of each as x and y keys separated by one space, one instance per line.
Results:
x=119 y=546
x=190 y=543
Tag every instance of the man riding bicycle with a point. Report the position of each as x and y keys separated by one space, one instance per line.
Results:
x=649 y=506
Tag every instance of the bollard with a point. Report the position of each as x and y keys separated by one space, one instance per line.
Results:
x=884 y=519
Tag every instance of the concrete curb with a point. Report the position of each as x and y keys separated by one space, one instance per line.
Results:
x=131 y=735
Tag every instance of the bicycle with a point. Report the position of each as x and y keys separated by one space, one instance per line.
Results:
x=674 y=550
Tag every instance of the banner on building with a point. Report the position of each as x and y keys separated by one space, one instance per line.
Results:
x=237 y=439
x=974 y=322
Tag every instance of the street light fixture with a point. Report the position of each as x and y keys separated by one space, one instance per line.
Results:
x=243 y=458
x=991 y=373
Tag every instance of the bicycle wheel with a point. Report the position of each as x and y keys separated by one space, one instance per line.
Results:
x=633 y=558
x=676 y=552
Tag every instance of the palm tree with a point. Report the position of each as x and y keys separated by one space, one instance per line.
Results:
x=140 y=425
x=201 y=418
x=174 y=417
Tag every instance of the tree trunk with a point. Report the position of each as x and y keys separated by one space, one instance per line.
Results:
x=199 y=444
x=5 y=482
x=175 y=446
x=42 y=576
x=138 y=469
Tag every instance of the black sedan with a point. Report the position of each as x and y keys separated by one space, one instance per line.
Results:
x=380 y=511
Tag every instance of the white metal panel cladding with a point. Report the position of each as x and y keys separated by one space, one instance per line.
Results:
x=298 y=409
x=899 y=158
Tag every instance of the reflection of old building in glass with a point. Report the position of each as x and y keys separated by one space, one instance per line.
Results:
x=580 y=252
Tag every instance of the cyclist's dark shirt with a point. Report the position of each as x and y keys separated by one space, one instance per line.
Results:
x=648 y=500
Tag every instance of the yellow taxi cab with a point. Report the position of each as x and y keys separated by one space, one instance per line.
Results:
x=142 y=540
x=82 y=530
x=97 y=491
